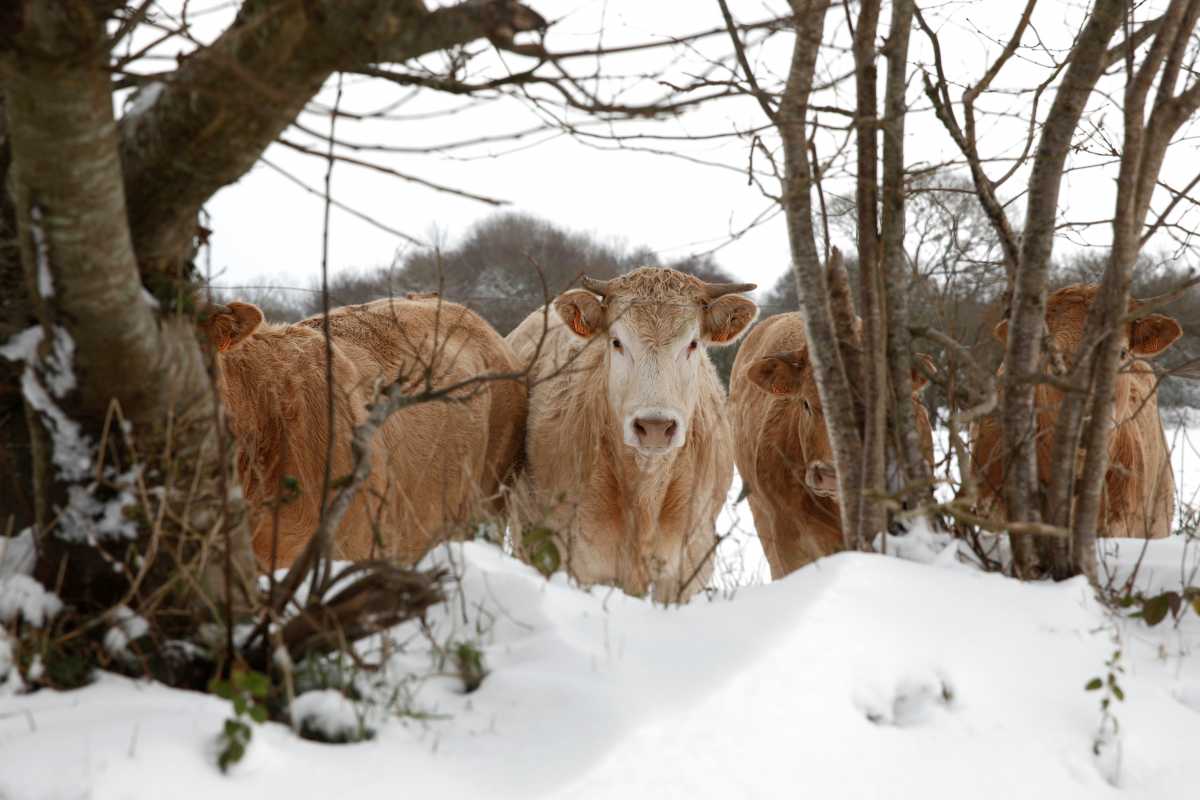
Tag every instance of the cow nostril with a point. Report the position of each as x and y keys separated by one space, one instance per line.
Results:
x=671 y=430
x=638 y=429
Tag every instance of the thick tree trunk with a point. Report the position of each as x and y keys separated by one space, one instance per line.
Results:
x=16 y=475
x=104 y=348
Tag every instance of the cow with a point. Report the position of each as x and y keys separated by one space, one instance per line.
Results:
x=628 y=453
x=437 y=465
x=783 y=451
x=1138 y=497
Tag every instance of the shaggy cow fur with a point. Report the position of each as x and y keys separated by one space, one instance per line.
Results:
x=436 y=465
x=782 y=444
x=1139 y=488
x=640 y=519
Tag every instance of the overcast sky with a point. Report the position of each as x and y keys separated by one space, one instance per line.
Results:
x=265 y=226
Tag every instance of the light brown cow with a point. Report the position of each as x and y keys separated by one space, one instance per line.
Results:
x=437 y=465
x=783 y=451
x=1139 y=488
x=629 y=454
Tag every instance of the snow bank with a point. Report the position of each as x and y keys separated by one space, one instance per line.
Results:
x=859 y=676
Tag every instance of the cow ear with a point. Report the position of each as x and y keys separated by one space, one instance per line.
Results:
x=726 y=318
x=1000 y=332
x=582 y=312
x=919 y=381
x=1152 y=334
x=228 y=326
x=781 y=373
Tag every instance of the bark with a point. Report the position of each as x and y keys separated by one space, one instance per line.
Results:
x=123 y=215
x=811 y=286
x=16 y=475
x=1143 y=151
x=872 y=516
x=899 y=338
x=72 y=230
x=1023 y=350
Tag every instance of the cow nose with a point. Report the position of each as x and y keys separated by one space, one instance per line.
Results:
x=654 y=431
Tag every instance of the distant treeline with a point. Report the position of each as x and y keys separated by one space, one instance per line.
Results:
x=503 y=267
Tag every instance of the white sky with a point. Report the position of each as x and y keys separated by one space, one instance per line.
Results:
x=265 y=226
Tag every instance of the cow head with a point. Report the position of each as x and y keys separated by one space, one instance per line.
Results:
x=655 y=325
x=791 y=375
x=1066 y=315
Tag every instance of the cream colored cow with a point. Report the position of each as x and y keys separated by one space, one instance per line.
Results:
x=629 y=454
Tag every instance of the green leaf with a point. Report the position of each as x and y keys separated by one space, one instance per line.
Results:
x=541 y=550
x=1093 y=685
x=257 y=684
x=259 y=713
x=1155 y=609
x=239 y=704
x=1196 y=604
x=1118 y=693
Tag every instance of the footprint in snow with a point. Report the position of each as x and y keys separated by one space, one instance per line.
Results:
x=910 y=702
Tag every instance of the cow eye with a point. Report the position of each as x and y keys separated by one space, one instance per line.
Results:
x=692 y=346
x=807 y=406
x=617 y=345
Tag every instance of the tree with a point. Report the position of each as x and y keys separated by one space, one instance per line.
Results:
x=1153 y=50
x=107 y=405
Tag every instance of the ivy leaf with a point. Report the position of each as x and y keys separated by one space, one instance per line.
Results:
x=1155 y=609
x=1093 y=685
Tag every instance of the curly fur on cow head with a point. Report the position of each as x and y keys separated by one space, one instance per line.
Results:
x=1066 y=316
x=656 y=321
x=791 y=373
x=1145 y=337
x=229 y=325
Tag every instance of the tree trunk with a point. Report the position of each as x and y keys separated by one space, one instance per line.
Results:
x=872 y=515
x=898 y=283
x=104 y=348
x=811 y=287
x=1023 y=349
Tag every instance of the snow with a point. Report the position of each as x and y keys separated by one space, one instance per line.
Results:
x=21 y=596
x=40 y=384
x=911 y=675
x=17 y=554
x=126 y=626
x=41 y=252
x=329 y=714
x=144 y=98
x=860 y=676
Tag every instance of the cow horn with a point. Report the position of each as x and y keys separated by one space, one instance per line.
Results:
x=714 y=290
x=596 y=287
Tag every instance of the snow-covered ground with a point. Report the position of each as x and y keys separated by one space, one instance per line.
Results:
x=859 y=676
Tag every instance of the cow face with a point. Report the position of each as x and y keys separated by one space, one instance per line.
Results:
x=1066 y=316
x=791 y=375
x=655 y=326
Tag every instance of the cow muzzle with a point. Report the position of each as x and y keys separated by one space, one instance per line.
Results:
x=655 y=430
